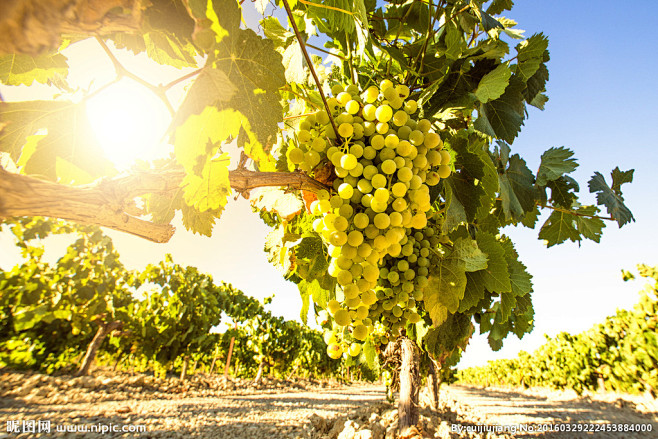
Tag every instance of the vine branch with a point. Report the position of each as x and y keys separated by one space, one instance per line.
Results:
x=310 y=65
x=111 y=203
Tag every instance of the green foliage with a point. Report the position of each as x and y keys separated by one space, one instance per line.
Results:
x=620 y=354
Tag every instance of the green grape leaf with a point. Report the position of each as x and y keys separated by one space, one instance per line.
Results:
x=559 y=227
x=507 y=304
x=493 y=84
x=487 y=21
x=520 y=279
x=495 y=277
x=20 y=69
x=446 y=287
x=590 y=228
x=276 y=33
x=310 y=247
x=69 y=137
x=563 y=191
x=619 y=178
x=498 y=6
x=554 y=163
x=539 y=101
x=255 y=69
x=453 y=333
x=536 y=84
x=370 y=353
x=293 y=61
x=467 y=250
x=168 y=51
x=210 y=87
x=454 y=41
x=473 y=293
x=503 y=117
x=196 y=221
x=517 y=189
x=611 y=199
x=210 y=189
x=530 y=55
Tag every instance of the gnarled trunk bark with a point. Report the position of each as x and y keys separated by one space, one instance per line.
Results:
x=103 y=329
x=409 y=385
x=183 y=372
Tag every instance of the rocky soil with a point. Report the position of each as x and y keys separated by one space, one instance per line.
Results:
x=209 y=407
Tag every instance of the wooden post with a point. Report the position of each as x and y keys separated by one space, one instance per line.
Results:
x=228 y=358
x=214 y=359
x=409 y=386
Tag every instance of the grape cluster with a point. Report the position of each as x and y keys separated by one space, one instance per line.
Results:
x=375 y=220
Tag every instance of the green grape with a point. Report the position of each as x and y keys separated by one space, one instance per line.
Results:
x=366 y=200
x=382 y=221
x=357 y=171
x=340 y=224
x=382 y=195
x=355 y=238
x=371 y=94
x=344 y=117
x=304 y=136
x=338 y=238
x=400 y=162
x=403 y=132
x=369 y=112
x=337 y=88
x=370 y=171
x=420 y=161
x=345 y=191
x=416 y=137
x=396 y=219
x=432 y=178
x=415 y=183
x=389 y=167
x=345 y=130
x=378 y=181
x=399 y=204
x=405 y=174
x=444 y=171
x=353 y=89
x=343 y=263
x=341 y=172
x=336 y=201
x=396 y=103
x=386 y=83
x=356 y=270
x=380 y=242
x=322 y=117
x=348 y=161
x=400 y=118
x=369 y=128
x=343 y=98
x=381 y=128
x=361 y=220
x=369 y=152
x=432 y=140
x=364 y=186
x=378 y=206
x=386 y=154
x=390 y=93
x=377 y=141
x=403 y=91
x=296 y=155
x=445 y=157
x=371 y=273
x=424 y=125
x=384 y=113
x=352 y=107
x=364 y=250
x=410 y=107
x=346 y=211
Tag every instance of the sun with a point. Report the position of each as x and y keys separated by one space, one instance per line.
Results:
x=129 y=122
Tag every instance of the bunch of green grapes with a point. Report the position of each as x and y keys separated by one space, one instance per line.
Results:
x=384 y=162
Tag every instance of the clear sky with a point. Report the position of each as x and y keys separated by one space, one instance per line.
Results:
x=602 y=105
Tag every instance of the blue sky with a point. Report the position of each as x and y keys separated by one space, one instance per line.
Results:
x=602 y=105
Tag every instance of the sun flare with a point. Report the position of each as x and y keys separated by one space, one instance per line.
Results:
x=129 y=122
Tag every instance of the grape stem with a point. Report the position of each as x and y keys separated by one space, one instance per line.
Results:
x=310 y=65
